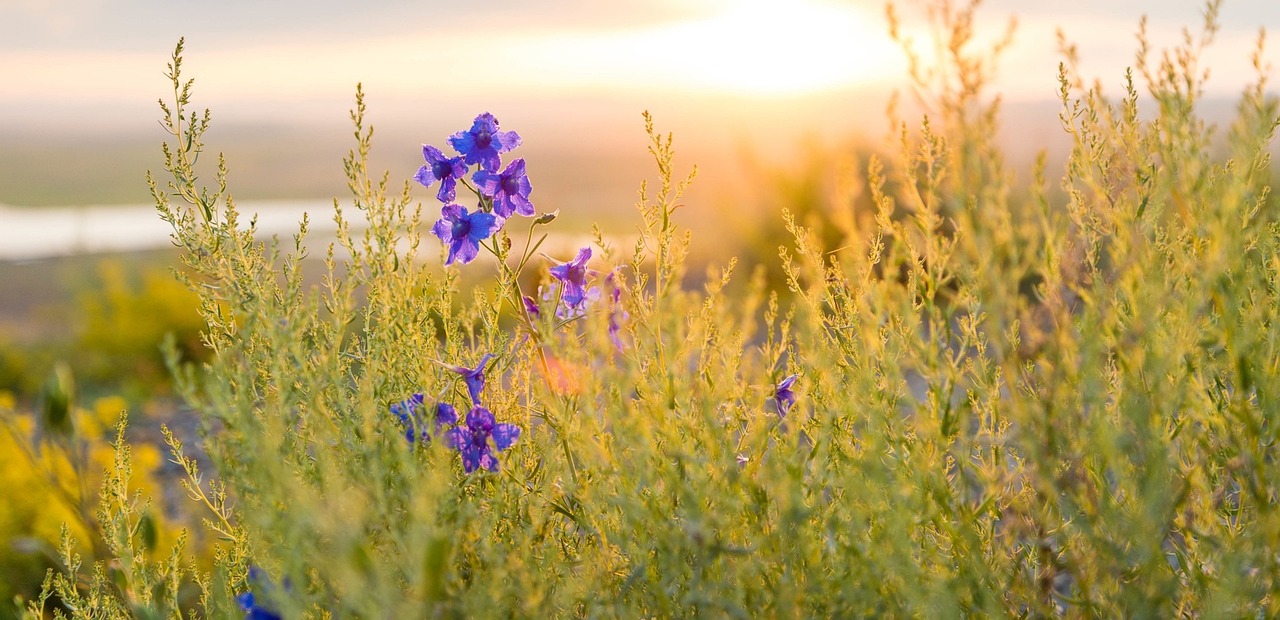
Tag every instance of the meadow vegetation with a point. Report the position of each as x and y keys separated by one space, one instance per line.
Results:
x=963 y=400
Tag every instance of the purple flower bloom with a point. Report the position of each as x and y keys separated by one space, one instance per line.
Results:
x=463 y=232
x=616 y=314
x=474 y=377
x=446 y=415
x=411 y=418
x=565 y=312
x=407 y=412
x=472 y=440
x=447 y=170
x=508 y=189
x=531 y=306
x=551 y=296
x=253 y=609
x=783 y=395
x=574 y=276
x=482 y=143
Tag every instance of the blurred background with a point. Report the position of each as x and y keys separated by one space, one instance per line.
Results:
x=766 y=98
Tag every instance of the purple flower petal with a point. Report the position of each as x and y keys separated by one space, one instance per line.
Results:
x=616 y=314
x=406 y=411
x=784 y=396
x=507 y=140
x=566 y=311
x=457 y=438
x=445 y=415
x=530 y=306
x=253 y=608
x=470 y=459
x=504 y=435
x=463 y=250
x=475 y=377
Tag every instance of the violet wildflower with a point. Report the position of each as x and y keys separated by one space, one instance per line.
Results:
x=254 y=609
x=407 y=411
x=574 y=276
x=531 y=306
x=565 y=312
x=446 y=415
x=472 y=439
x=463 y=231
x=447 y=170
x=509 y=189
x=474 y=377
x=616 y=314
x=482 y=143
x=783 y=395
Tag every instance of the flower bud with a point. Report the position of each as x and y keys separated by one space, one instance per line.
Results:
x=547 y=218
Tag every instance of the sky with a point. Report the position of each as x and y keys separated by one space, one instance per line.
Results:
x=571 y=71
x=60 y=60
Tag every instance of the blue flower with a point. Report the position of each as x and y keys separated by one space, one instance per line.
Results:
x=783 y=395
x=407 y=411
x=447 y=170
x=565 y=311
x=474 y=377
x=462 y=232
x=472 y=441
x=254 y=610
x=482 y=143
x=616 y=314
x=531 y=306
x=574 y=276
x=508 y=189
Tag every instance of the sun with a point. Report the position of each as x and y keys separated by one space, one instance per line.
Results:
x=758 y=47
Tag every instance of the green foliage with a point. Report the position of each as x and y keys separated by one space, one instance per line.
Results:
x=1005 y=407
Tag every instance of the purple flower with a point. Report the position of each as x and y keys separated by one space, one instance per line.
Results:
x=531 y=306
x=407 y=411
x=551 y=296
x=616 y=314
x=474 y=377
x=482 y=143
x=565 y=312
x=508 y=189
x=574 y=276
x=463 y=232
x=447 y=170
x=472 y=440
x=253 y=609
x=783 y=395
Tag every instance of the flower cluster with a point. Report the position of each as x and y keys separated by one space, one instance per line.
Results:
x=501 y=194
x=477 y=439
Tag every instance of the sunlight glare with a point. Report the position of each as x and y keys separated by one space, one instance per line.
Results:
x=759 y=47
